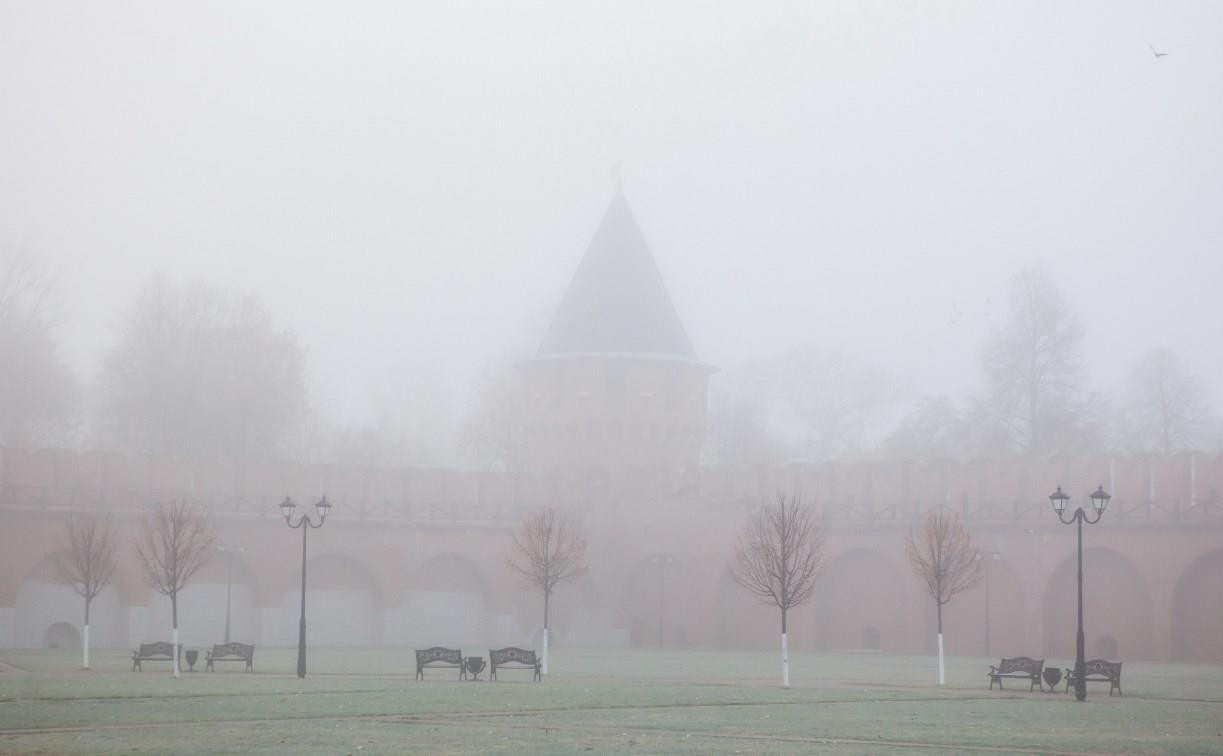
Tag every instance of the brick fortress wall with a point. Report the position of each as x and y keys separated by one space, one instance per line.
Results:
x=420 y=554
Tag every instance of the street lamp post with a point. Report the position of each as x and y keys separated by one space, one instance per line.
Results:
x=662 y=561
x=305 y=523
x=1099 y=501
x=985 y=557
x=229 y=551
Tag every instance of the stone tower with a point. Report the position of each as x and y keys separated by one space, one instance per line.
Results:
x=616 y=396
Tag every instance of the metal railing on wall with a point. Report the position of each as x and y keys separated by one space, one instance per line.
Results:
x=855 y=510
x=473 y=510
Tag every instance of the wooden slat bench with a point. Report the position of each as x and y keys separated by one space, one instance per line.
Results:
x=1021 y=667
x=515 y=658
x=231 y=652
x=438 y=656
x=160 y=651
x=1098 y=670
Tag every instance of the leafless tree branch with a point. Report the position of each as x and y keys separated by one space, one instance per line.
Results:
x=943 y=557
x=779 y=556
x=39 y=396
x=176 y=540
x=88 y=562
x=548 y=550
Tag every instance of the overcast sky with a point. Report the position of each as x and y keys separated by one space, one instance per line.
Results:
x=410 y=186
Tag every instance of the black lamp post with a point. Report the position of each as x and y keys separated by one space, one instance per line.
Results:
x=662 y=561
x=229 y=552
x=1099 y=501
x=985 y=557
x=305 y=523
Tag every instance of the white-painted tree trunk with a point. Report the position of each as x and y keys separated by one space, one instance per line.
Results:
x=785 y=662
x=175 y=650
x=85 y=650
x=941 y=676
x=543 y=668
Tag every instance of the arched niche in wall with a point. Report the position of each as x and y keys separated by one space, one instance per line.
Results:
x=447 y=603
x=861 y=596
x=1197 y=611
x=965 y=618
x=1116 y=605
x=743 y=620
x=45 y=598
x=343 y=604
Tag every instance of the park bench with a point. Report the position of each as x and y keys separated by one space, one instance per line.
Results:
x=439 y=657
x=154 y=652
x=1020 y=667
x=519 y=658
x=231 y=652
x=1098 y=670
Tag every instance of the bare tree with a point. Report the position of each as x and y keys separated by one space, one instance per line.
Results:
x=176 y=541
x=741 y=430
x=38 y=394
x=1034 y=399
x=201 y=371
x=936 y=429
x=778 y=560
x=494 y=426
x=1164 y=406
x=944 y=559
x=548 y=550
x=88 y=562
x=838 y=399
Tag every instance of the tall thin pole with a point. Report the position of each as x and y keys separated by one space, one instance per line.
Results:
x=305 y=523
x=229 y=581
x=1080 y=685
x=987 y=607
x=662 y=598
x=1099 y=501
x=301 y=627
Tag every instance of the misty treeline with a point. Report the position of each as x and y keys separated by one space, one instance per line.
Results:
x=1034 y=397
x=193 y=370
x=39 y=395
x=190 y=370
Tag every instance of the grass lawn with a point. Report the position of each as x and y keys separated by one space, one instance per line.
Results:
x=633 y=701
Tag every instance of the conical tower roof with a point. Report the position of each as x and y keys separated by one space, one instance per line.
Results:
x=617 y=302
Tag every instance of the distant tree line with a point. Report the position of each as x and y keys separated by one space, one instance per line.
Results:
x=199 y=371
x=193 y=371
x=39 y=396
x=1033 y=399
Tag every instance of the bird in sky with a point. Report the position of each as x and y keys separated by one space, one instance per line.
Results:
x=1158 y=54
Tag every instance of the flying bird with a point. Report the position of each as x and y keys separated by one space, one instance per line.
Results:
x=1158 y=54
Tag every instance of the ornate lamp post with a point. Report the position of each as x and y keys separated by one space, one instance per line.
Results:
x=985 y=557
x=305 y=523
x=229 y=551
x=1099 y=502
x=662 y=561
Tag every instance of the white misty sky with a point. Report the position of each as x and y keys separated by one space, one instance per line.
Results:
x=410 y=186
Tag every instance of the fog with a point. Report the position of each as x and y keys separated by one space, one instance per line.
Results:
x=355 y=219
x=409 y=187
